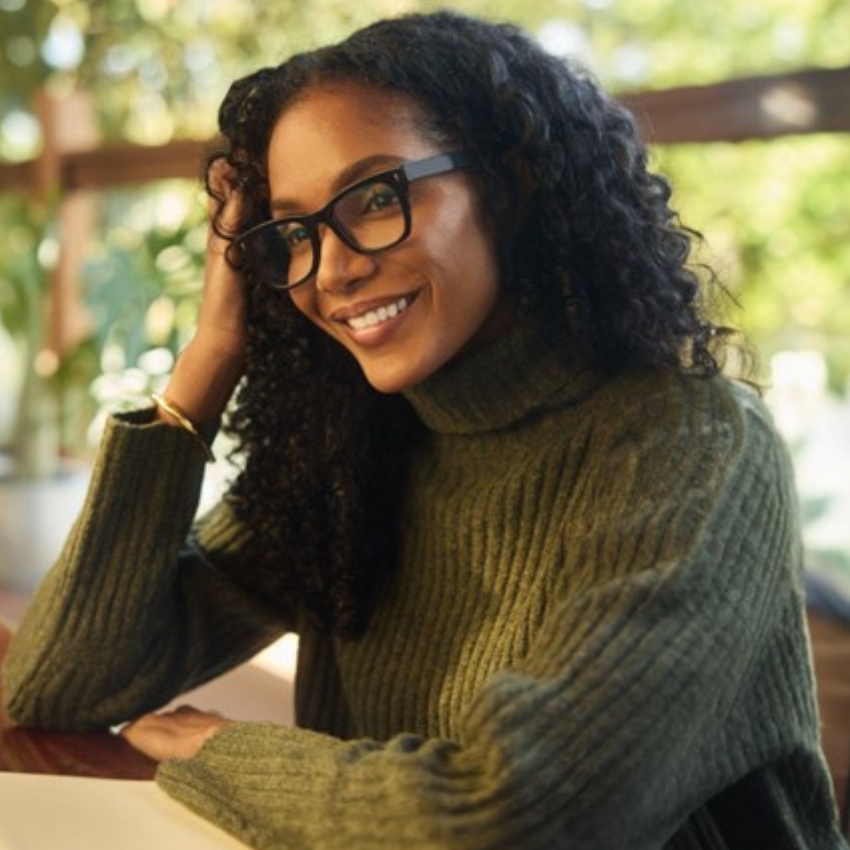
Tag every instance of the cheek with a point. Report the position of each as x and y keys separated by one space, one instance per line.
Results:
x=304 y=301
x=472 y=244
x=473 y=283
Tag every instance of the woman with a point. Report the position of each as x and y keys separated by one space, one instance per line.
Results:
x=542 y=557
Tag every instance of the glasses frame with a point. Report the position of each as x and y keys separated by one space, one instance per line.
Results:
x=399 y=178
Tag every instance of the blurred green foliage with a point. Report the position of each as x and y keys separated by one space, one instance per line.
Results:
x=776 y=215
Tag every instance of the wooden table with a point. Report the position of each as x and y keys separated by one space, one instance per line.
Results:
x=80 y=754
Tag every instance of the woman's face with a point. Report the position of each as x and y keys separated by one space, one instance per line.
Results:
x=408 y=310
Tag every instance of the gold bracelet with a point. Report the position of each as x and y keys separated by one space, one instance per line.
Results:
x=180 y=417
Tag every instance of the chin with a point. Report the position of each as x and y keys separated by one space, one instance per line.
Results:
x=391 y=381
x=388 y=386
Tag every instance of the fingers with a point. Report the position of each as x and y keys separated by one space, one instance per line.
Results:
x=223 y=304
x=224 y=183
x=176 y=734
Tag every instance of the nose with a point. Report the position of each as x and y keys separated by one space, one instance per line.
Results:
x=340 y=266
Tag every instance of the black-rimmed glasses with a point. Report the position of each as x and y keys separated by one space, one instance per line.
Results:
x=368 y=216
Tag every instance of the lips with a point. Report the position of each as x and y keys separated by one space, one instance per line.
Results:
x=377 y=316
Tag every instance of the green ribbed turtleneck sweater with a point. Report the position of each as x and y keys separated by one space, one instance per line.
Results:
x=594 y=639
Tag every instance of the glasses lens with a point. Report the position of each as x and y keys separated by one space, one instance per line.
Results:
x=371 y=214
x=295 y=252
x=270 y=255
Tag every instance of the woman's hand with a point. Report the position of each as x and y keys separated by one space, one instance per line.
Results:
x=177 y=734
x=210 y=366
x=221 y=323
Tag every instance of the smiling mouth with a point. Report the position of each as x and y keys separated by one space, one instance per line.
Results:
x=376 y=317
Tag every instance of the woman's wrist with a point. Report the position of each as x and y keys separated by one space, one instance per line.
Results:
x=168 y=410
x=203 y=380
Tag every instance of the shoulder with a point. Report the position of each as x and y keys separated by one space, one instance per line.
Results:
x=666 y=412
x=680 y=476
x=662 y=436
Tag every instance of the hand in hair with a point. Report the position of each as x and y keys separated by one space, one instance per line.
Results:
x=211 y=364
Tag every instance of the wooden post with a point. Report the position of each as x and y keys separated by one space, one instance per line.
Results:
x=69 y=128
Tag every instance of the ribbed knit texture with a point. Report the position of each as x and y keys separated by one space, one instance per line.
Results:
x=594 y=639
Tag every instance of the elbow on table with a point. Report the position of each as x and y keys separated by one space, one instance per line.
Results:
x=30 y=703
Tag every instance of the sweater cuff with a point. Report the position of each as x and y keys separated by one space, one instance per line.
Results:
x=141 y=459
x=145 y=417
x=240 y=777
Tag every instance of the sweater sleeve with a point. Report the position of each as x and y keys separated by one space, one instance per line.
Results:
x=132 y=614
x=625 y=716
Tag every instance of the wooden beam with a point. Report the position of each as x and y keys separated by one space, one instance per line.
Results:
x=17 y=176
x=112 y=165
x=126 y=164
x=763 y=107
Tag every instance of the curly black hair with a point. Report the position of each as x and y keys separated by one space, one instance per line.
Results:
x=590 y=250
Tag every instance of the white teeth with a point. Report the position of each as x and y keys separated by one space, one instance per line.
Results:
x=376 y=317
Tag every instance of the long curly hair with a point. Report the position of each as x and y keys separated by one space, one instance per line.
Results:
x=590 y=250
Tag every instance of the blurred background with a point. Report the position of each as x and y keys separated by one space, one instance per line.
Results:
x=105 y=108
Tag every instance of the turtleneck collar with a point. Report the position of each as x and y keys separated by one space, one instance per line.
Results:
x=499 y=384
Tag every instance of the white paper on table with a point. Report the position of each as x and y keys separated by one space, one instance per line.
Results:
x=79 y=813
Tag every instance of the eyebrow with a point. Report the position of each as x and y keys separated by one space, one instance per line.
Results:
x=350 y=174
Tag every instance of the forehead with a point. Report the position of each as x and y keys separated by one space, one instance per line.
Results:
x=329 y=129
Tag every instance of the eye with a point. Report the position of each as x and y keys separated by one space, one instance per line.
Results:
x=377 y=197
x=294 y=234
